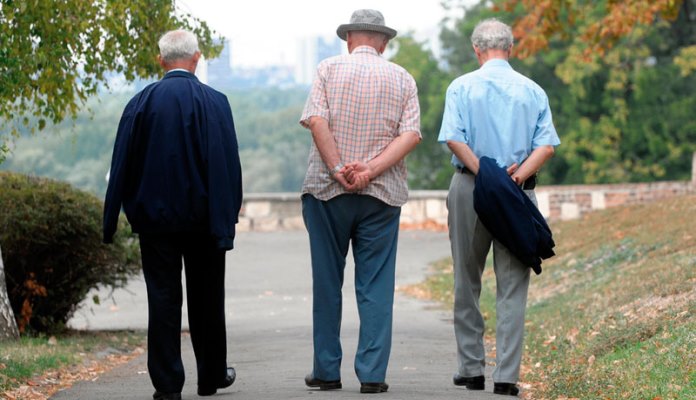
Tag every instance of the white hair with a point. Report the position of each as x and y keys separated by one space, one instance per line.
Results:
x=178 y=45
x=492 y=34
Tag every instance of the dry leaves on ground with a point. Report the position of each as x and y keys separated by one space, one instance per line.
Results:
x=44 y=386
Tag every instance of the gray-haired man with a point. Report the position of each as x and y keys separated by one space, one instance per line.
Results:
x=494 y=112
x=176 y=172
x=362 y=111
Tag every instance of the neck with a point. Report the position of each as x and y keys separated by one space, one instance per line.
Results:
x=355 y=40
x=492 y=54
x=180 y=65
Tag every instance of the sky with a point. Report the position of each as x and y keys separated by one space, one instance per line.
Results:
x=266 y=32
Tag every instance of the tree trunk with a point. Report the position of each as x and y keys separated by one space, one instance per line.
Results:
x=8 y=324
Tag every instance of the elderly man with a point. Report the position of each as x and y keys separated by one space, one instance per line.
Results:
x=176 y=171
x=364 y=117
x=497 y=113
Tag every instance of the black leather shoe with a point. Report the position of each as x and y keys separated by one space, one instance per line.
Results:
x=230 y=376
x=506 y=388
x=379 y=387
x=166 y=396
x=312 y=382
x=471 y=383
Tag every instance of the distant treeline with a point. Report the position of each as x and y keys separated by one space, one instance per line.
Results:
x=273 y=146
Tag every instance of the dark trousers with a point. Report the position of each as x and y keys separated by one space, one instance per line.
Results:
x=205 y=276
x=372 y=227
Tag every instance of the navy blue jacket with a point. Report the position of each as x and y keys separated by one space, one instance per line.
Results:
x=510 y=216
x=175 y=166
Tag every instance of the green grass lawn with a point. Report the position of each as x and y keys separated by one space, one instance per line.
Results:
x=27 y=359
x=613 y=315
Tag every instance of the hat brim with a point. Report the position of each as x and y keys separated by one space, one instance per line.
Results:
x=343 y=30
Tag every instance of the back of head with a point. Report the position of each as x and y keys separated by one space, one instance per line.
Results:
x=178 y=45
x=491 y=34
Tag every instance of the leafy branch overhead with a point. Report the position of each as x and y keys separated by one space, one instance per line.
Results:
x=54 y=55
x=599 y=25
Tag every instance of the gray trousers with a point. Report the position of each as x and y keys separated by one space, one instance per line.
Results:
x=471 y=243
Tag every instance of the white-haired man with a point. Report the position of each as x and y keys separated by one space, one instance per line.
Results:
x=176 y=171
x=497 y=113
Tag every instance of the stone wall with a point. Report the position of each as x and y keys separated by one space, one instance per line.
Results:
x=427 y=209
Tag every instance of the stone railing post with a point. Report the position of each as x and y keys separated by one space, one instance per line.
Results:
x=693 y=170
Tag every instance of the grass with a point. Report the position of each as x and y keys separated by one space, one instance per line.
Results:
x=24 y=361
x=613 y=315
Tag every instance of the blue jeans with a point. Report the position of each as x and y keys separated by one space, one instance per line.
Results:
x=372 y=227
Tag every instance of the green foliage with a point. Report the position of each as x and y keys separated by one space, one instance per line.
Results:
x=623 y=114
x=54 y=55
x=428 y=165
x=273 y=146
x=78 y=151
x=51 y=241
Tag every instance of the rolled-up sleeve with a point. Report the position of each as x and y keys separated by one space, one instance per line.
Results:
x=545 y=133
x=317 y=104
x=453 y=120
x=410 y=118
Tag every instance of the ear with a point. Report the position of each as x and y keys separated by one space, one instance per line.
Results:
x=349 y=41
x=161 y=61
x=383 y=47
x=196 y=56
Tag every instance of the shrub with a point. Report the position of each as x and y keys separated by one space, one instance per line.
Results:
x=50 y=234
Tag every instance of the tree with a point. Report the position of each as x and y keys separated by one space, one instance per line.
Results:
x=619 y=75
x=54 y=55
x=8 y=324
x=595 y=26
x=626 y=67
x=428 y=164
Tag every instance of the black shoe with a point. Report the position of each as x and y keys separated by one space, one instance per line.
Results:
x=230 y=376
x=506 y=388
x=312 y=382
x=379 y=387
x=166 y=396
x=471 y=383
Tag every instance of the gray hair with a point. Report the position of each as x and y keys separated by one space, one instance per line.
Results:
x=492 y=34
x=178 y=45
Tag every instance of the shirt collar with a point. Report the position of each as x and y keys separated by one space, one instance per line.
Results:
x=365 y=50
x=179 y=69
x=496 y=62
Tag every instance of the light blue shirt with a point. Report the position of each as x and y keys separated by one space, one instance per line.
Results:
x=498 y=113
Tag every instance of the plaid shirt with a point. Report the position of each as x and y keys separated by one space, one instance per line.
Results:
x=368 y=102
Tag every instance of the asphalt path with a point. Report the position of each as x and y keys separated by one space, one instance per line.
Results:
x=269 y=328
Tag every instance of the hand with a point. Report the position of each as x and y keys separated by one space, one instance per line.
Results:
x=340 y=177
x=358 y=174
x=511 y=171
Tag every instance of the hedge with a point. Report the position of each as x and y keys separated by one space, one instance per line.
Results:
x=50 y=234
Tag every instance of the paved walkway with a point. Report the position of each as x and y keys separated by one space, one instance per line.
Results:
x=268 y=307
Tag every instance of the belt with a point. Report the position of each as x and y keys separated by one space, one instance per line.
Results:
x=464 y=170
x=529 y=184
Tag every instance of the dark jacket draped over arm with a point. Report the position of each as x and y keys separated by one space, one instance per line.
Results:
x=511 y=216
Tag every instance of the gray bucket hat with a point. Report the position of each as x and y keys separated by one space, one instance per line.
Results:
x=366 y=20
